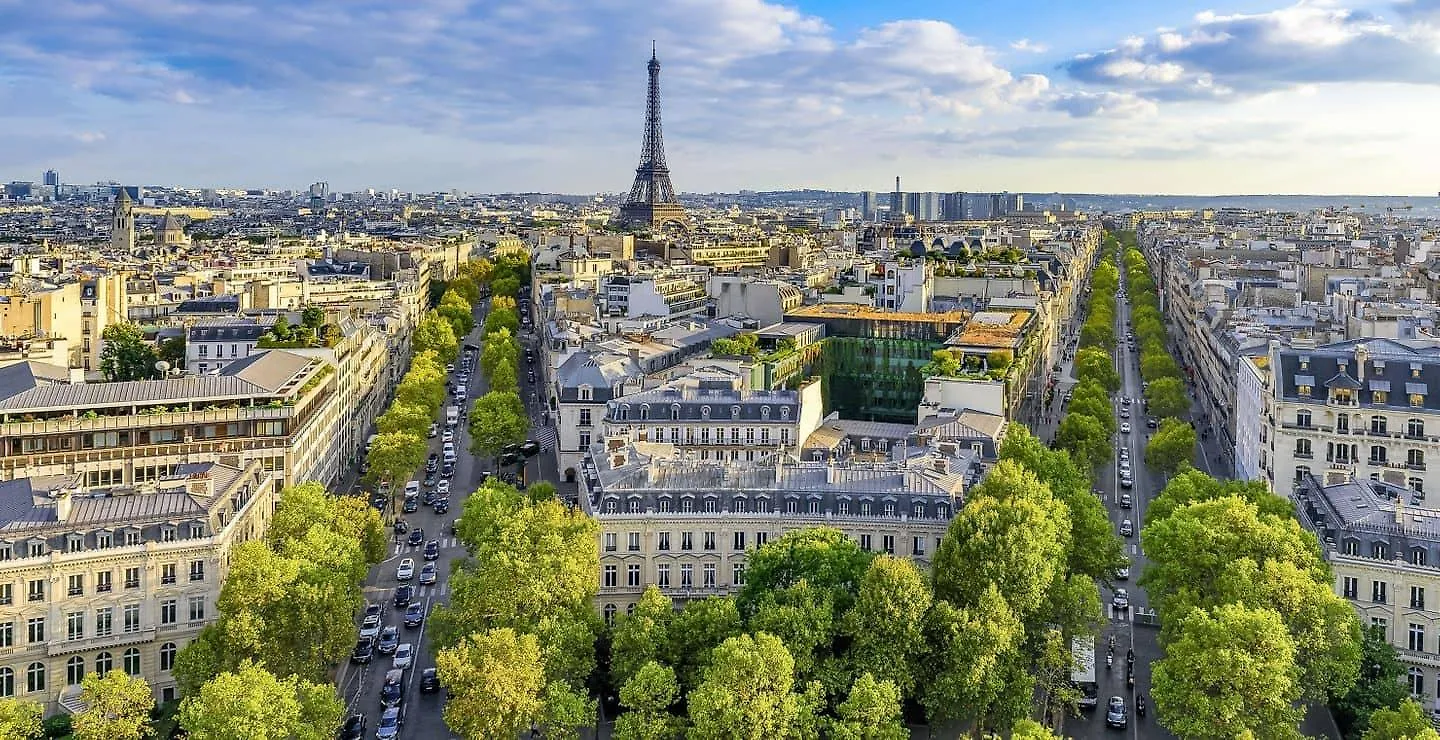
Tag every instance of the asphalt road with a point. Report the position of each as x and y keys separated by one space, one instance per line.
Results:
x=359 y=685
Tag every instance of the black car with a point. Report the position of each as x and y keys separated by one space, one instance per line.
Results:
x=411 y=505
x=429 y=681
x=432 y=550
x=401 y=527
x=442 y=506
x=530 y=377
x=430 y=497
x=431 y=478
x=530 y=448
x=417 y=535
x=354 y=728
x=403 y=595
x=414 y=615
x=448 y=470
x=393 y=690
x=364 y=651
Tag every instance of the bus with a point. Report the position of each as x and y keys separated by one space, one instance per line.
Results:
x=1082 y=673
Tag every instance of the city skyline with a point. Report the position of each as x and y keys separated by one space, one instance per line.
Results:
x=1315 y=97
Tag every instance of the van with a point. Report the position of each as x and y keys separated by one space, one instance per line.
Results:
x=393 y=690
x=448 y=454
x=452 y=416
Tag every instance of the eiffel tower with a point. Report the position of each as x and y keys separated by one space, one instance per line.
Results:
x=652 y=198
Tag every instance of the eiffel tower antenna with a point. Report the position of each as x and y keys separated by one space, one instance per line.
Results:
x=651 y=201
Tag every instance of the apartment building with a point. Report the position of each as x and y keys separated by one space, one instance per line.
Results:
x=1353 y=410
x=685 y=525
x=95 y=578
x=658 y=296
x=212 y=344
x=279 y=408
x=1382 y=543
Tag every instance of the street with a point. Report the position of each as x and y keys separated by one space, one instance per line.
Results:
x=359 y=685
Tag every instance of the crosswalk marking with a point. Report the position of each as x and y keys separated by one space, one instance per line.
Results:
x=547 y=436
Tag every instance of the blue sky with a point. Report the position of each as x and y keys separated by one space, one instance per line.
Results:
x=1323 y=96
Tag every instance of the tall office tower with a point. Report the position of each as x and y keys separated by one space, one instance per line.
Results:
x=52 y=178
x=930 y=207
x=897 y=199
x=122 y=223
x=1014 y=203
x=869 y=205
x=651 y=201
x=319 y=191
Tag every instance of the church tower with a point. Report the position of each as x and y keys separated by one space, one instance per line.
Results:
x=122 y=223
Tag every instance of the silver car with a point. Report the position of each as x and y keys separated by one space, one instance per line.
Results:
x=404 y=655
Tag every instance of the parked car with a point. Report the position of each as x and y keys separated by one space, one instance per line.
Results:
x=434 y=430
x=1127 y=482
x=364 y=650
x=443 y=488
x=530 y=447
x=354 y=727
x=392 y=691
x=411 y=505
x=404 y=655
x=389 y=727
x=448 y=436
x=370 y=625
x=442 y=506
x=1123 y=573
x=1125 y=428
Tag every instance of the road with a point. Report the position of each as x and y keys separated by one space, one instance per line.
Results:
x=359 y=685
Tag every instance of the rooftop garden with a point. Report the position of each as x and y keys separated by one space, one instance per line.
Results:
x=311 y=332
x=951 y=364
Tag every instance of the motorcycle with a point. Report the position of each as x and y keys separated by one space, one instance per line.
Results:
x=1109 y=661
x=1130 y=657
x=1140 y=705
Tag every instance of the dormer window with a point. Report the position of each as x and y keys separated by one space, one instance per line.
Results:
x=705 y=412
x=675 y=412
x=1303 y=390
x=644 y=411
x=785 y=413
x=624 y=412
x=74 y=543
x=1415 y=369
x=586 y=393
x=167 y=533
x=765 y=413
x=734 y=412
x=197 y=531
x=1304 y=362
x=103 y=540
x=37 y=548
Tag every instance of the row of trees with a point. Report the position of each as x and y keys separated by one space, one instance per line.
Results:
x=499 y=418
x=825 y=636
x=1089 y=424
x=1252 y=625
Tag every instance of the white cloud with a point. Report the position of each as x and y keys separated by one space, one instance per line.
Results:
x=1027 y=45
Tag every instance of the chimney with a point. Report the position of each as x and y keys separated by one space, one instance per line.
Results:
x=1362 y=353
x=1400 y=510
x=62 y=504
x=199 y=484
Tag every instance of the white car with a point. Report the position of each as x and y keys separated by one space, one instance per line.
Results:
x=1124 y=467
x=1123 y=573
x=406 y=571
x=370 y=627
x=412 y=488
x=442 y=487
x=1125 y=428
x=1124 y=454
x=434 y=431
x=403 y=656
x=448 y=436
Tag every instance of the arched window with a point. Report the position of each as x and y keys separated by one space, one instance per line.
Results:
x=675 y=412
x=734 y=412
x=7 y=683
x=132 y=661
x=644 y=411
x=625 y=412
x=35 y=677
x=705 y=412
x=610 y=614
x=765 y=413
x=167 y=656
x=1380 y=550
x=785 y=413
x=1377 y=425
x=104 y=663
x=74 y=671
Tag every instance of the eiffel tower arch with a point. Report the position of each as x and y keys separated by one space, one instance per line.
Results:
x=651 y=201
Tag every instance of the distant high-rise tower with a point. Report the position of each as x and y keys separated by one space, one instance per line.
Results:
x=652 y=198
x=869 y=205
x=52 y=178
x=897 y=200
x=122 y=223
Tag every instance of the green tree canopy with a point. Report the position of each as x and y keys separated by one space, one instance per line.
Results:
x=500 y=318
x=886 y=626
x=870 y=712
x=1193 y=486
x=1093 y=363
x=823 y=557
x=436 y=334
x=1405 y=722
x=395 y=456
x=497 y=419
x=407 y=418
x=313 y=316
x=496 y=682
x=748 y=693
x=1166 y=397
x=640 y=637
x=647 y=696
x=973 y=672
x=466 y=288
x=125 y=355
x=695 y=632
x=308 y=505
x=117 y=707
x=1378 y=685
x=1171 y=447
x=253 y=704
x=804 y=618
x=20 y=719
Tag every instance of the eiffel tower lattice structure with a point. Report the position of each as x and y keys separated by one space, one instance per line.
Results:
x=652 y=198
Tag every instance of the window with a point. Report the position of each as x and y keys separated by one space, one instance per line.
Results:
x=1417 y=400
x=1415 y=459
x=765 y=435
x=1303 y=390
x=35 y=677
x=813 y=506
x=132 y=537
x=1302 y=419
x=792 y=506
x=1379 y=551
x=1377 y=425
x=7 y=594
x=197 y=608
x=687 y=575
x=132 y=578
x=705 y=413
x=761 y=538
x=664 y=541
x=76 y=585
x=132 y=617
x=6 y=551
x=864 y=508
x=844 y=508
x=167 y=656
x=1417 y=597
x=710 y=504
x=167 y=534
x=1416 y=640
x=1418 y=486
x=644 y=411
x=611 y=542
x=37 y=549
x=1415 y=428
x=1417 y=556
x=74 y=671
x=1377 y=591
x=865 y=542
x=104 y=663
x=7 y=682
x=132 y=661
x=75 y=626
x=687 y=541
x=167 y=574
x=7 y=634
x=675 y=412
x=1416 y=681
x=1377 y=455
x=197 y=570
x=917 y=546
x=585 y=393
x=1351 y=587
x=709 y=540
x=1352 y=547
x=1302 y=448
x=709 y=575
x=197 y=531
x=634 y=542
x=662 y=575
x=609 y=576
x=632 y=575
x=105 y=620
x=633 y=505
x=609 y=611
x=887 y=543
x=889 y=509
x=36 y=591
x=739 y=542
x=103 y=581
x=1342 y=424
x=585 y=417
x=1379 y=397
x=167 y=611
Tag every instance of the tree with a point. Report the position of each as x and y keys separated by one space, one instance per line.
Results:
x=422 y=387
x=125 y=355
x=1407 y=722
x=641 y=636
x=822 y=556
x=1156 y=363
x=457 y=311
x=887 y=624
x=1166 y=397
x=870 y=712
x=395 y=456
x=971 y=674
x=1085 y=439
x=436 y=334
x=466 y=288
x=566 y=710
x=281 y=329
x=497 y=419
x=308 y=505
x=1193 y=486
x=1378 y=686
x=172 y=350
x=1230 y=672
x=1029 y=729
x=407 y=418
x=20 y=719
x=647 y=696
x=253 y=704
x=313 y=316
x=1092 y=363
x=117 y=707
x=499 y=346
x=1012 y=534
x=478 y=270
x=804 y=618
x=694 y=633
x=495 y=681
x=748 y=692
x=507 y=286
x=1171 y=447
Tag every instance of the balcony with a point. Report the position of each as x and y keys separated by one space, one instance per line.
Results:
x=1419 y=657
x=118 y=639
x=79 y=423
x=137 y=453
